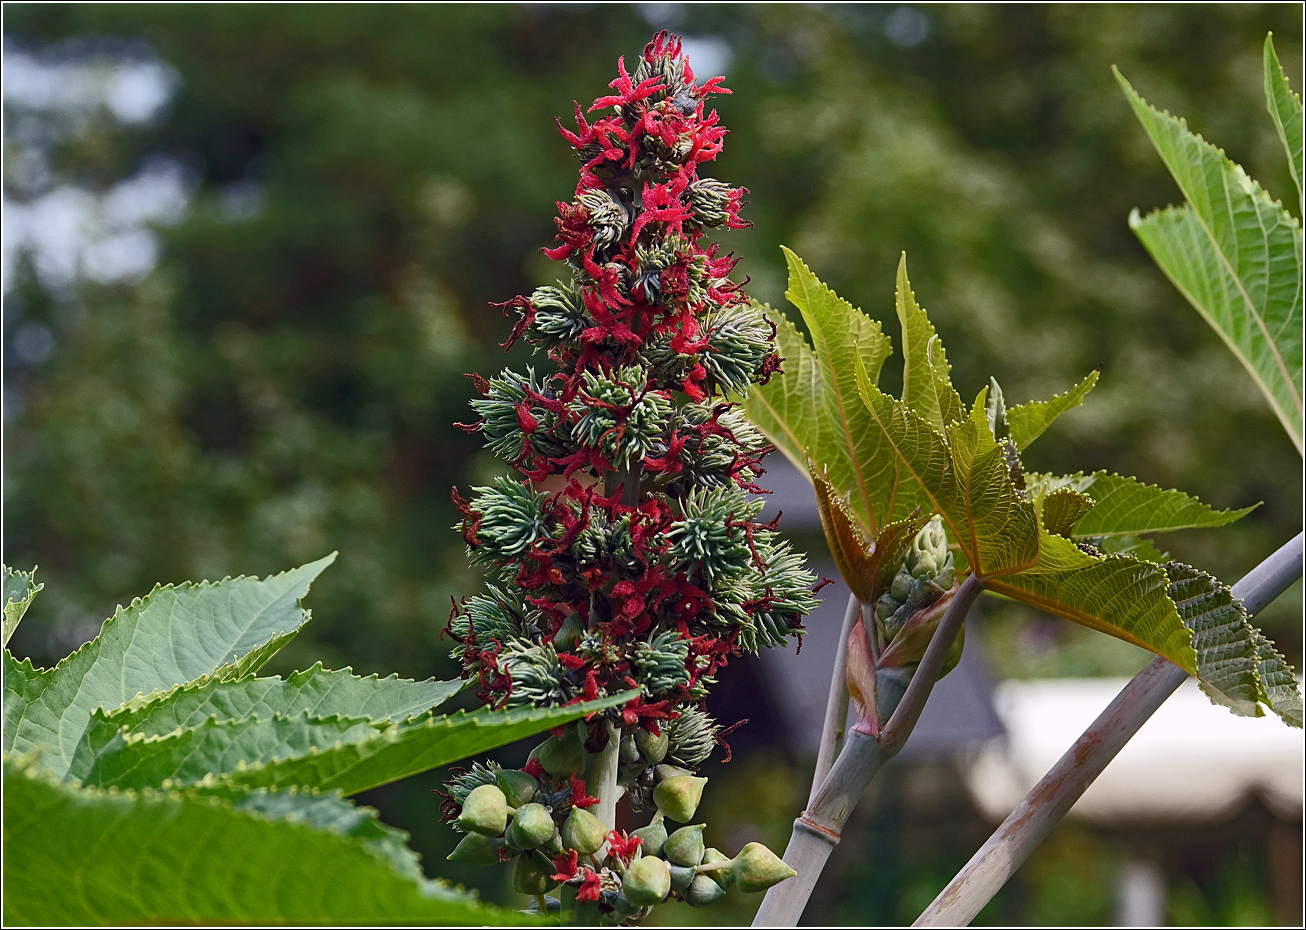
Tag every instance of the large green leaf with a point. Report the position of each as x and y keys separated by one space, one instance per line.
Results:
x=964 y=472
x=76 y=856
x=926 y=382
x=1173 y=610
x=1028 y=421
x=1285 y=110
x=171 y=636
x=349 y=754
x=1127 y=506
x=19 y=592
x=819 y=385
x=1235 y=254
x=317 y=692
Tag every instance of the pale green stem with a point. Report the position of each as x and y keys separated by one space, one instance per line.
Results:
x=601 y=777
x=817 y=831
x=836 y=705
x=1045 y=805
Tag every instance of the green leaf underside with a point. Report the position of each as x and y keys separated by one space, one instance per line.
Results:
x=317 y=692
x=1285 y=109
x=348 y=754
x=964 y=473
x=1028 y=421
x=84 y=856
x=1173 y=610
x=19 y=592
x=1127 y=506
x=1135 y=546
x=1235 y=254
x=171 y=636
x=812 y=411
x=926 y=382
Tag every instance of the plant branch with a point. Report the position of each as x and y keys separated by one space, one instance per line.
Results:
x=1033 y=819
x=601 y=777
x=818 y=830
x=836 y=706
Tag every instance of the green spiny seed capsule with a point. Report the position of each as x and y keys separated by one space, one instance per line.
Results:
x=517 y=786
x=703 y=891
x=681 y=877
x=757 y=868
x=653 y=748
x=583 y=832
x=531 y=826
x=568 y=634
x=629 y=751
x=678 y=796
x=666 y=770
x=685 y=846
x=530 y=875
x=562 y=756
x=485 y=811
x=723 y=877
x=476 y=849
x=647 y=881
x=653 y=836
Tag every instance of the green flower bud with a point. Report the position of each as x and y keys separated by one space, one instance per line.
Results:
x=517 y=787
x=477 y=850
x=929 y=550
x=685 y=846
x=583 y=832
x=531 y=826
x=653 y=748
x=485 y=811
x=666 y=770
x=703 y=891
x=562 y=756
x=551 y=905
x=568 y=634
x=681 y=877
x=901 y=587
x=723 y=877
x=757 y=868
x=654 y=835
x=530 y=875
x=678 y=796
x=629 y=751
x=647 y=881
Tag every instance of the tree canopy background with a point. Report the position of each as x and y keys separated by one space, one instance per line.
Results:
x=358 y=183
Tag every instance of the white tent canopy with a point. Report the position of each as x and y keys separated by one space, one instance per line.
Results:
x=1192 y=761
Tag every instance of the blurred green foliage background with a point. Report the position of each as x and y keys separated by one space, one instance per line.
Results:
x=358 y=183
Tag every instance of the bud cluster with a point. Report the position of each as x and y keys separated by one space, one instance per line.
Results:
x=626 y=551
x=538 y=819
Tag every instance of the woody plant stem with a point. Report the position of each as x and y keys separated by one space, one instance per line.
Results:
x=1035 y=816
x=817 y=831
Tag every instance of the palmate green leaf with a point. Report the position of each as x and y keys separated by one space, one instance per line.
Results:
x=1285 y=110
x=1235 y=254
x=348 y=754
x=317 y=692
x=1127 y=506
x=1173 y=610
x=76 y=856
x=812 y=411
x=965 y=475
x=19 y=592
x=171 y=636
x=926 y=382
x=1027 y=422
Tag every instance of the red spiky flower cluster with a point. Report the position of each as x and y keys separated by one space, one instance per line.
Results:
x=627 y=551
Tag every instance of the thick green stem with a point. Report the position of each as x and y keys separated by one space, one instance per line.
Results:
x=1045 y=805
x=817 y=831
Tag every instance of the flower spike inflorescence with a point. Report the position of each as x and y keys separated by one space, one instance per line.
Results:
x=628 y=552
